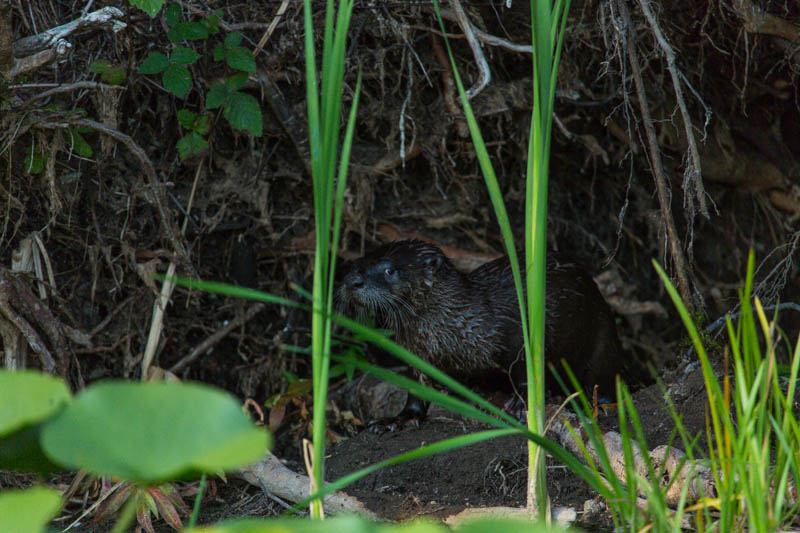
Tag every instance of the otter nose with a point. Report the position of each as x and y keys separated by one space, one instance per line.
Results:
x=354 y=280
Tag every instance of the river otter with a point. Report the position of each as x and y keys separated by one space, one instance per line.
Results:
x=468 y=325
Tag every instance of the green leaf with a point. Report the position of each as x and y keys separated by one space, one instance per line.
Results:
x=34 y=162
x=28 y=511
x=172 y=15
x=191 y=145
x=177 y=80
x=28 y=397
x=202 y=125
x=100 y=66
x=190 y=31
x=219 y=52
x=212 y=22
x=79 y=144
x=233 y=39
x=151 y=7
x=240 y=58
x=216 y=96
x=26 y=400
x=355 y=524
x=115 y=76
x=186 y=119
x=154 y=63
x=183 y=56
x=236 y=81
x=244 y=113
x=152 y=432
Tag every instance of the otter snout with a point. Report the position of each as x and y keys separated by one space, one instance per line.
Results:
x=354 y=280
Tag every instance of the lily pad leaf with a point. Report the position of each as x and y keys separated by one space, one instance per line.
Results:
x=153 y=432
x=28 y=511
x=27 y=399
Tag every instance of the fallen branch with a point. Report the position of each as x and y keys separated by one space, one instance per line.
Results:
x=31 y=53
x=756 y=20
x=277 y=480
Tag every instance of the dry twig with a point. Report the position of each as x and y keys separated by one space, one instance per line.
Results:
x=693 y=173
x=484 y=75
x=656 y=165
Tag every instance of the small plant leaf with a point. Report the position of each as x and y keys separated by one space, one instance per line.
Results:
x=100 y=66
x=115 y=76
x=151 y=7
x=240 y=58
x=233 y=39
x=219 y=52
x=186 y=118
x=202 y=125
x=28 y=511
x=216 y=96
x=154 y=63
x=166 y=509
x=187 y=30
x=79 y=144
x=244 y=113
x=236 y=81
x=172 y=14
x=177 y=80
x=34 y=162
x=183 y=56
x=191 y=145
x=212 y=22
x=151 y=432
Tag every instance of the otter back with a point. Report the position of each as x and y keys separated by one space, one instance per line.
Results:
x=469 y=325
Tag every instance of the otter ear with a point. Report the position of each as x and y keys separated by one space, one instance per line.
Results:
x=432 y=264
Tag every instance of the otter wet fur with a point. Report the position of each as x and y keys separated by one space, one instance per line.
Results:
x=468 y=324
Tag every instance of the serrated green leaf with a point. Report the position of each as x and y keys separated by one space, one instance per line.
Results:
x=172 y=14
x=100 y=66
x=177 y=80
x=190 y=31
x=244 y=113
x=186 y=118
x=154 y=63
x=28 y=511
x=79 y=144
x=202 y=125
x=183 y=56
x=219 y=52
x=191 y=145
x=236 y=81
x=240 y=58
x=233 y=39
x=152 y=432
x=151 y=7
x=212 y=22
x=216 y=96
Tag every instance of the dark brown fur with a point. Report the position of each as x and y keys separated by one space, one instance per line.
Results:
x=468 y=324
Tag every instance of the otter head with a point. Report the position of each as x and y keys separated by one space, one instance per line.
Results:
x=393 y=281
